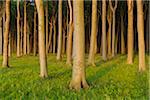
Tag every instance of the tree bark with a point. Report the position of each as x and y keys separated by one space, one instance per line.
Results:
x=122 y=36
x=140 y=29
x=54 y=35
x=59 y=49
x=41 y=36
x=6 y=35
x=1 y=37
x=104 y=30
x=69 y=36
x=78 y=74
x=50 y=36
x=35 y=34
x=91 y=59
x=18 y=29
x=21 y=40
x=25 y=30
x=130 y=32
x=46 y=16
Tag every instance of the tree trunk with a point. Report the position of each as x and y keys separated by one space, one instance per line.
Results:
x=93 y=34
x=41 y=36
x=69 y=36
x=54 y=35
x=1 y=37
x=130 y=32
x=21 y=41
x=140 y=29
x=78 y=74
x=64 y=41
x=104 y=30
x=28 y=38
x=6 y=35
x=59 y=49
x=122 y=37
x=25 y=30
x=35 y=34
x=50 y=36
x=18 y=29
x=46 y=16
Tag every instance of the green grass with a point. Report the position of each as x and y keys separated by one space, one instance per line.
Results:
x=113 y=79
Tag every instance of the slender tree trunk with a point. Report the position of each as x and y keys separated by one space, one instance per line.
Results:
x=28 y=38
x=6 y=35
x=35 y=34
x=50 y=36
x=1 y=37
x=78 y=74
x=46 y=14
x=122 y=37
x=104 y=30
x=130 y=32
x=69 y=36
x=54 y=35
x=41 y=36
x=64 y=41
x=18 y=29
x=140 y=29
x=21 y=40
x=25 y=30
x=59 y=49
x=93 y=34
x=9 y=45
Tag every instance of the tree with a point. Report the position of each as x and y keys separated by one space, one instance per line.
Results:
x=140 y=29
x=41 y=37
x=130 y=32
x=25 y=30
x=35 y=33
x=46 y=16
x=1 y=36
x=18 y=29
x=93 y=33
x=6 y=35
x=113 y=28
x=104 y=30
x=122 y=36
x=69 y=36
x=78 y=74
x=59 y=49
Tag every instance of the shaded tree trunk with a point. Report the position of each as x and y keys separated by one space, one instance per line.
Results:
x=6 y=35
x=21 y=40
x=140 y=29
x=1 y=37
x=50 y=36
x=54 y=35
x=93 y=34
x=122 y=37
x=41 y=36
x=78 y=74
x=46 y=16
x=59 y=49
x=35 y=34
x=130 y=32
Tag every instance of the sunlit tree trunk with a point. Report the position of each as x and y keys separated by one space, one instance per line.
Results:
x=78 y=73
x=6 y=35
x=140 y=29
x=41 y=36
x=59 y=49
x=25 y=30
x=69 y=36
x=104 y=30
x=46 y=16
x=1 y=36
x=18 y=29
x=35 y=34
x=93 y=34
x=122 y=36
x=109 y=19
x=130 y=32
x=113 y=27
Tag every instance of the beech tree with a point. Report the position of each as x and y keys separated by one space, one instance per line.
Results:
x=6 y=35
x=35 y=34
x=93 y=33
x=140 y=29
x=41 y=37
x=18 y=29
x=78 y=71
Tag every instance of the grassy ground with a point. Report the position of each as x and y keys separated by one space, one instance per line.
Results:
x=113 y=79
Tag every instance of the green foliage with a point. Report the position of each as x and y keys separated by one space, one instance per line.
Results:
x=113 y=79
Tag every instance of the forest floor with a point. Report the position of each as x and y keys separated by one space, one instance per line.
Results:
x=113 y=79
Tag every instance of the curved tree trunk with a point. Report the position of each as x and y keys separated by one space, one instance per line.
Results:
x=18 y=29
x=6 y=35
x=59 y=49
x=130 y=32
x=41 y=35
x=93 y=34
x=35 y=34
x=140 y=29
x=69 y=36
x=78 y=74
x=25 y=30
x=104 y=30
